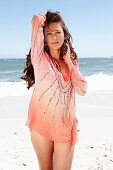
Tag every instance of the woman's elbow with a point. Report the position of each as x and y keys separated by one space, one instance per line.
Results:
x=82 y=91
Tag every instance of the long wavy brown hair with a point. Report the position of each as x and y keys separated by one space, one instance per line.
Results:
x=51 y=17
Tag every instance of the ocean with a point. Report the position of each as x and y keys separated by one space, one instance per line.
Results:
x=97 y=71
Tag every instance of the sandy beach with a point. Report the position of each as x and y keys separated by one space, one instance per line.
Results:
x=94 y=150
x=29 y=57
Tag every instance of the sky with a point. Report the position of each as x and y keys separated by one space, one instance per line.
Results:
x=90 y=23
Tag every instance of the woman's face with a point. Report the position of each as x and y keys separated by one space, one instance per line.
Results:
x=54 y=35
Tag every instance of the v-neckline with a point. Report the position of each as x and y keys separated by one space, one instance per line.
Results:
x=59 y=66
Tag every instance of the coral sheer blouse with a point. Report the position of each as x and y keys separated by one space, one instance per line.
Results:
x=52 y=107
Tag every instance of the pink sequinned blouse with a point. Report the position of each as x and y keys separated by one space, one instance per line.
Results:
x=52 y=107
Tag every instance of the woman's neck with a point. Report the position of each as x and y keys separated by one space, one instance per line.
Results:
x=55 y=54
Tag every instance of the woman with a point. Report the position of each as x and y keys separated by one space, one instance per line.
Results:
x=52 y=67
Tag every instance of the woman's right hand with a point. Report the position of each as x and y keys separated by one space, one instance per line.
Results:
x=40 y=18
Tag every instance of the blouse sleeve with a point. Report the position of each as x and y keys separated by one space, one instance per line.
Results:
x=78 y=81
x=37 y=37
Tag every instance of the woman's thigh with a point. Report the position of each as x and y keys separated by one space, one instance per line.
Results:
x=63 y=156
x=44 y=150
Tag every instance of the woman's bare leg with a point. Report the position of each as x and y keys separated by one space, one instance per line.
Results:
x=63 y=156
x=44 y=150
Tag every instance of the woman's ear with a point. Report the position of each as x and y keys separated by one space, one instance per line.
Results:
x=65 y=39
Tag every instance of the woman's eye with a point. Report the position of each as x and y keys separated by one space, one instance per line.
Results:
x=56 y=32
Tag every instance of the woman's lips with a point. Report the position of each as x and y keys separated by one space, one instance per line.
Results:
x=55 y=43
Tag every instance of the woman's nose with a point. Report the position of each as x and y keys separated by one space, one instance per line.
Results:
x=54 y=37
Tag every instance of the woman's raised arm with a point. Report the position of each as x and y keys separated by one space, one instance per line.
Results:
x=37 y=37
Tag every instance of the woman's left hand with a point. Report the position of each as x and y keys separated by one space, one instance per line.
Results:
x=66 y=56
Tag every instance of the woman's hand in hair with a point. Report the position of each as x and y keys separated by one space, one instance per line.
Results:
x=67 y=58
x=66 y=55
